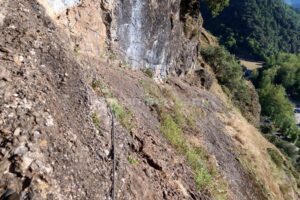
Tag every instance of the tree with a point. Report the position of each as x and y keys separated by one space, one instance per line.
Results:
x=260 y=28
x=216 y=6
x=276 y=105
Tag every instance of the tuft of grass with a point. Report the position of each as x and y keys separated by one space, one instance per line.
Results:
x=175 y=117
x=132 y=160
x=96 y=84
x=276 y=157
x=173 y=133
x=96 y=120
x=101 y=88
x=148 y=72
x=122 y=114
x=247 y=165
x=76 y=49
x=112 y=56
x=203 y=177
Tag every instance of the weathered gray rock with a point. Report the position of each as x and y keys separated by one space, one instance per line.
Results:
x=156 y=35
x=4 y=166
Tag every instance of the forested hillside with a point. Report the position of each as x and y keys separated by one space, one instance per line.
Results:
x=268 y=30
x=256 y=28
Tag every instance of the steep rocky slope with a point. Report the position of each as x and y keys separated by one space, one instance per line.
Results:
x=63 y=75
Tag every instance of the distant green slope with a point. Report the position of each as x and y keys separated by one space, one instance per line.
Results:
x=258 y=28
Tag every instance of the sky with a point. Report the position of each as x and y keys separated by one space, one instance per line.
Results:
x=291 y=2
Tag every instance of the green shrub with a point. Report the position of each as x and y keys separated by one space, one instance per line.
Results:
x=216 y=6
x=203 y=176
x=279 y=79
x=96 y=120
x=96 y=84
x=122 y=114
x=172 y=132
x=148 y=72
x=230 y=75
x=132 y=160
x=174 y=118
x=276 y=157
x=286 y=69
x=277 y=106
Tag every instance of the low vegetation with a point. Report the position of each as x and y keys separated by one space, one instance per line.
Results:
x=124 y=116
x=132 y=160
x=279 y=109
x=148 y=72
x=287 y=72
x=248 y=166
x=175 y=119
x=276 y=157
x=96 y=120
x=230 y=75
x=216 y=6
x=276 y=82
x=261 y=30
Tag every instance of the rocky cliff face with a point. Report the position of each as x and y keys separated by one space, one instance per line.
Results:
x=150 y=34
x=160 y=35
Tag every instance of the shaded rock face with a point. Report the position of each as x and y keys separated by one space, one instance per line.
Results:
x=150 y=33
x=144 y=33
x=161 y=35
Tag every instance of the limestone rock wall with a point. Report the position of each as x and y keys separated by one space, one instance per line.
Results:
x=161 y=35
x=152 y=34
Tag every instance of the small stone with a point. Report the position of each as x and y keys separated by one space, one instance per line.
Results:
x=49 y=121
x=22 y=139
x=5 y=75
x=43 y=144
x=36 y=135
x=106 y=152
x=3 y=151
x=4 y=166
x=12 y=26
x=34 y=166
x=16 y=141
x=32 y=52
x=11 y=115
x=26 y=162
x=2 y=84
x=17 y=132
x=5 y=131
x=32 y=147
x=21 y=150
x=18 y=59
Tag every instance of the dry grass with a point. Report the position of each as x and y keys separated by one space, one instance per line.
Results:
x=257 y=159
